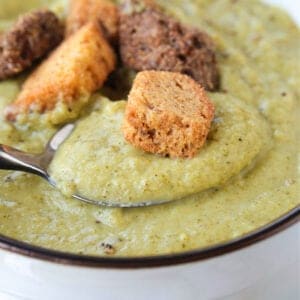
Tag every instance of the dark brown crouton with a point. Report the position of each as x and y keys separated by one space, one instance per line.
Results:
x=32 y=37
x=151 y=40
x=102 y=11
x=167 y=114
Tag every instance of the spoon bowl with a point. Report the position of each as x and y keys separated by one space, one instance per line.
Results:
x=37 y=164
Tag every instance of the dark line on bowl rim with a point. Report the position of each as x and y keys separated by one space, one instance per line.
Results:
x=53 y=256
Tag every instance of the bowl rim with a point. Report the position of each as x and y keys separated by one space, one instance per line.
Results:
x=54 y=256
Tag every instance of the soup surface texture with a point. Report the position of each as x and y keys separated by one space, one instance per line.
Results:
x=246 y=176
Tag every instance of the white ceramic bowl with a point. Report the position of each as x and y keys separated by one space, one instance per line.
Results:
x=265 y=270
x=263 y=265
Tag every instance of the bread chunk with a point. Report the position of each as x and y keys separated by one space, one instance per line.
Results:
x=77 y=68
x=167 y=114
x=30 y=38
x=102 y=11
x=151 y=40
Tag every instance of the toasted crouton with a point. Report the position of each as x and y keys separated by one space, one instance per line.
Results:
x=149 y=39
x=33 y=36
x=167 y=114
x=78 y=67
x=102 y=11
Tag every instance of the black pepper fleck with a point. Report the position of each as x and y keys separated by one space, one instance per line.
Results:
x=108 y=248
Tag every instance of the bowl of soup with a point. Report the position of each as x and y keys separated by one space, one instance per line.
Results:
x=242 y=188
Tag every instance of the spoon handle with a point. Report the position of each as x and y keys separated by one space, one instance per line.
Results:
x=13 y=159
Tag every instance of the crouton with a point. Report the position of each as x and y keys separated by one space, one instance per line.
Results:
x=102 y=11
x=78 y=67
x=137 y=6
x=30 y=38
x=167 y=114
x=151 y=40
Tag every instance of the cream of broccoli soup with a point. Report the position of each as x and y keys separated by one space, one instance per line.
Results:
x=98 y=163
x=246 y=175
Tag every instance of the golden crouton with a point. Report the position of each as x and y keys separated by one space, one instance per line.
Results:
x=78 y=67
x=168 y=114
x=102 y=11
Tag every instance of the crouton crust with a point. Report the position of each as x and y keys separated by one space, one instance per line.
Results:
x=167 y=114
x=30 y=38
x=78 y=67
x=102 y=11
x=152 y=40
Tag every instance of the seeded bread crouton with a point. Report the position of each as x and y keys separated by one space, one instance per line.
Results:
x=167 y=114
x=30 y=38
x=78 y=67
x=151 y=40
x=102 y=11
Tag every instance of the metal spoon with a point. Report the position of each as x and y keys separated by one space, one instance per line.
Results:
x=13 y=159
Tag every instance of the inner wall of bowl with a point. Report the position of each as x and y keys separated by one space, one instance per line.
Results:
x=292 y=6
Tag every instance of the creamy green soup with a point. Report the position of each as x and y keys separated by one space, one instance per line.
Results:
x=250 y=163
x=97 y=162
